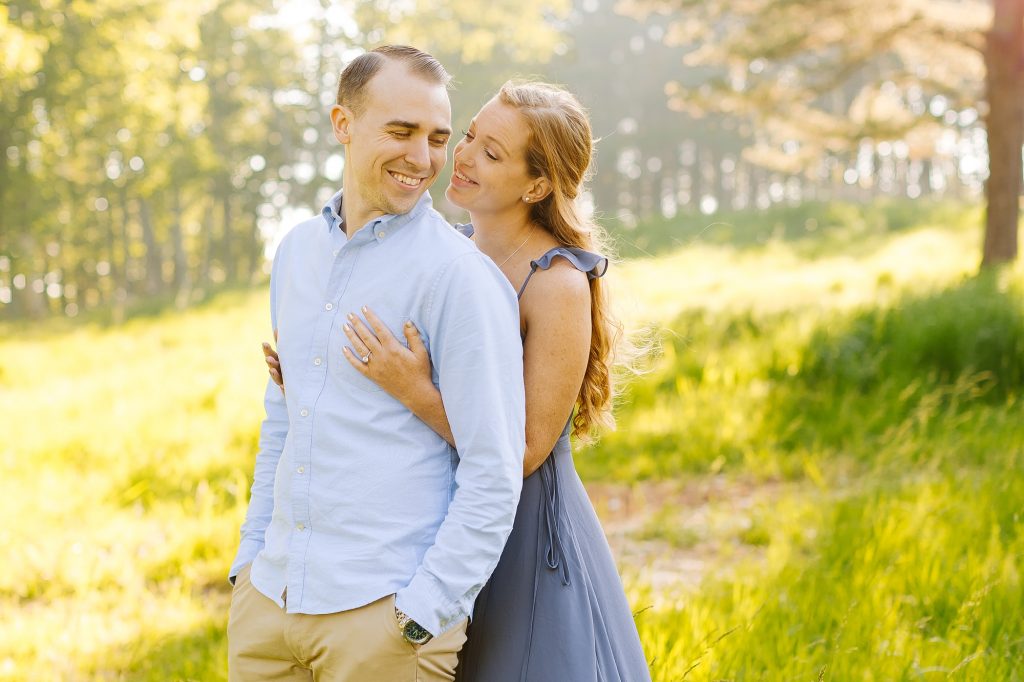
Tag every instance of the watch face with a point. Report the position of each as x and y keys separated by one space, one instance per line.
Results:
x=415 y=633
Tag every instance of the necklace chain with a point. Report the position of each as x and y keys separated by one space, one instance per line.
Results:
x=509 y=257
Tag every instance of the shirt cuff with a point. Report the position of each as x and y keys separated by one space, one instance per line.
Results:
x=247 y=552
x=424 y=602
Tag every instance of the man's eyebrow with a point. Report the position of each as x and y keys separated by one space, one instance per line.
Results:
x=397 y=123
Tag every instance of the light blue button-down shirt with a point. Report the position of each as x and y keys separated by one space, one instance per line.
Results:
x=354 y=498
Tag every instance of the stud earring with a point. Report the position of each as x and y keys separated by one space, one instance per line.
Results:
x=526 y=199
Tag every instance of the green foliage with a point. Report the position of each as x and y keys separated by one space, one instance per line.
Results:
x=816 y=78
x=150 y=149
x=128 y=130
x=975 y=328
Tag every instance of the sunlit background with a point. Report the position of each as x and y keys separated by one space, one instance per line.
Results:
x=819 y=474
x=161 y=149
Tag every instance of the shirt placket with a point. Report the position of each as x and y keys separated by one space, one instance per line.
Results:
x=344 y=256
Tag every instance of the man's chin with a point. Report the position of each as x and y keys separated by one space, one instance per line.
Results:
x=405 y=203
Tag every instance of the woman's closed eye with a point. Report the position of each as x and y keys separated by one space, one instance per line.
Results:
x=470 y=137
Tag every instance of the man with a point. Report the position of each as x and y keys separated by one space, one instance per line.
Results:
x=367 y=538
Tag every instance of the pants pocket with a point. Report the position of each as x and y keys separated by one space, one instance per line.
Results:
x=391 y=623
x=242 y=576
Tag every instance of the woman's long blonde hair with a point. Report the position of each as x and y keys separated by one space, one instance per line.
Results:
x=560 y=148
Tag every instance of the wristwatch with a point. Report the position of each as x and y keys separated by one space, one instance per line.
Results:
x=413 y=632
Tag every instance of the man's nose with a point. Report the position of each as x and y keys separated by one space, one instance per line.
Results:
x=417 y=154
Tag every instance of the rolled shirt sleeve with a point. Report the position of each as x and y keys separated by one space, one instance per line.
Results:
x=473 y=324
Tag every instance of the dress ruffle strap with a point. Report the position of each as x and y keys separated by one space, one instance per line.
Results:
x=594 y=264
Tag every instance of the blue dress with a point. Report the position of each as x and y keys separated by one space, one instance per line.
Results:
x=554 y=609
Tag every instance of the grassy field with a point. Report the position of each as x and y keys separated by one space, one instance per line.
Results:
x=850 y=394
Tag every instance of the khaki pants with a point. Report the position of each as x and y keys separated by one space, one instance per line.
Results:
x=360 y=645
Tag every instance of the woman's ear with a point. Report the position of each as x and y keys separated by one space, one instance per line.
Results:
x=538 y=190
x=341 y=122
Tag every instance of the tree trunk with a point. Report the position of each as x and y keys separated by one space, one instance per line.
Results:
x=154 y=259
x=34 y=302
x=182 y=284
x=255 y=252
x=207 y=243
x=1004 y=58
x=228 y=254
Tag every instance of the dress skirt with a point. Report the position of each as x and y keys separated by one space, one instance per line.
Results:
x=554 y=609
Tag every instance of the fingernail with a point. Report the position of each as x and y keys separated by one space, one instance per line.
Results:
x=351 y=316
x=363 y=308
x=408 y=323
x=348 y=328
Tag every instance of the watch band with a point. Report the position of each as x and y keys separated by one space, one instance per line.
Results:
x=413 y=632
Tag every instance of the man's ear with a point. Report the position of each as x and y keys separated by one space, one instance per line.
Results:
x=341 y=121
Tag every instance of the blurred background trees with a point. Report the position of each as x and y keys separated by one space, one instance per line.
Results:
x=155 y=151
x=820 y=78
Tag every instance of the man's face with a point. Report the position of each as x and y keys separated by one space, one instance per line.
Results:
x=397 y=145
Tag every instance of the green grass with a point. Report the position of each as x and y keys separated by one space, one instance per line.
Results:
x=125 y=462
x=892 y=410
x=908 y=579
x=813 y=228
x=855 y=377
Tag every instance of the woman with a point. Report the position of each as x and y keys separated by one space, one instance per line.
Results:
x=554 y=608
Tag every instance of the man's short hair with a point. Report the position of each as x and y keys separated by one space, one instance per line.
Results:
x=359 y=72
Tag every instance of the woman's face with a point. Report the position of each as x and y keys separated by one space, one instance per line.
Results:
x=490 y=173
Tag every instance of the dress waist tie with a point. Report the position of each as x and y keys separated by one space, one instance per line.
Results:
x=554 y=552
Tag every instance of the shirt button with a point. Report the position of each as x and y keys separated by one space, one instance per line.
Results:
x=304 y=412
x=336 y=251
x=317 y=361
x=301 y=469
x=329 y=306
x=382 y=234
x=300 y=527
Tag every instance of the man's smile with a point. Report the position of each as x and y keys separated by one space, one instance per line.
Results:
x=406 y=180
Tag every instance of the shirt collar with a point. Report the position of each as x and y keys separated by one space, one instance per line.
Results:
x=331 y=213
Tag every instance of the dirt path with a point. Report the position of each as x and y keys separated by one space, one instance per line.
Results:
x=669 y=534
